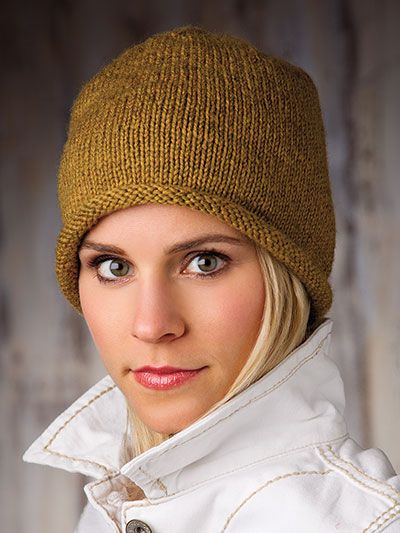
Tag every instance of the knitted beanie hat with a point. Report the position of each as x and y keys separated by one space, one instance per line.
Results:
x=207 y=121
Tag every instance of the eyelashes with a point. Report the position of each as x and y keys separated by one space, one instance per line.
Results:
x=98 y=261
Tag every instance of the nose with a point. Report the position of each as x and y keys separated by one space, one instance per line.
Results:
x=156 y=315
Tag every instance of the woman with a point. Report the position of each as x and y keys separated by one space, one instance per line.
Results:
x=198 y=237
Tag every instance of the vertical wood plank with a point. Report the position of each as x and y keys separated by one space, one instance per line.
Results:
x=47 y=357
x=376 y=118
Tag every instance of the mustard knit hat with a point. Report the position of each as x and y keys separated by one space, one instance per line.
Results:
x=208 y=121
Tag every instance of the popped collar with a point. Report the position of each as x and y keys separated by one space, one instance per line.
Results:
x=298 y=404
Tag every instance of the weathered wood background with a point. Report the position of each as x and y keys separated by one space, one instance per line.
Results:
x=48 y=49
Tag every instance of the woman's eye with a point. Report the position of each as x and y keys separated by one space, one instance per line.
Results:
x=110 y=269
x=208 y=263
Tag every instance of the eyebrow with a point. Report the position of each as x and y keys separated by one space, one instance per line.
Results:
x=178 y=247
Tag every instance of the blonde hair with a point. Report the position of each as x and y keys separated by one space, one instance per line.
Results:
x=284 y=325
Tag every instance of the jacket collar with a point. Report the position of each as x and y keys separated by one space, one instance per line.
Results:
x=297 y=404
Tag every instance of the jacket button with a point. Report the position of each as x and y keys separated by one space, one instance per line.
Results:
x=137 y=526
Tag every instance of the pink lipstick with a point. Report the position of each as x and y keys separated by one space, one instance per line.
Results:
x=164 y=377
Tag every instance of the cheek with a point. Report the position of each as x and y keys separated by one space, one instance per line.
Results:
x=104 y=326
x=229 y=312
x=233 y=314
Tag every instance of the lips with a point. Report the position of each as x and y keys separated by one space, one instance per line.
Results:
x=165 y=377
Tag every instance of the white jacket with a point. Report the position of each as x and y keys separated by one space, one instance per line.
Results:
x=276 y=458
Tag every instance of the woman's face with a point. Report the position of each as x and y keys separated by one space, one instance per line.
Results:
x=174 y=320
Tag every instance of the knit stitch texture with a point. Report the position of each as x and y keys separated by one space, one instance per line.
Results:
x=207 y=121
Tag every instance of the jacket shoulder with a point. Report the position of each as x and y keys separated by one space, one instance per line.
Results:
x=371 y=472
x=370 y=469
x=332 y=488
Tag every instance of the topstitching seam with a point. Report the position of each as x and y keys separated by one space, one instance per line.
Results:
x=259 y=397
x=264 y=485
x=390 y=514
x=362 y=483
x=47 y=446
x=147 y=503
x=362 y=472
x=99 y=482
x=158 y=482
x=311 y=445
x=110 y=388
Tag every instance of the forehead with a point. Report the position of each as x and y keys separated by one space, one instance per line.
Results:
x=161 y=218
x=165 y=225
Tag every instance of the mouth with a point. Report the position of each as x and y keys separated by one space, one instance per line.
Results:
x=165 y=377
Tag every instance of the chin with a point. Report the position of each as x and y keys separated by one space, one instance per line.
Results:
x=167 y=427
x=170 y=423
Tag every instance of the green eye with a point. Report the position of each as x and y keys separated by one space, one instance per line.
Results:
x=109 y=269
x=117 y=268
x=207 y=262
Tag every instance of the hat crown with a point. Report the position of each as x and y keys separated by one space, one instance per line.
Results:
x=209 y=121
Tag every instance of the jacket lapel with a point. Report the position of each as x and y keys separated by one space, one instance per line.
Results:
x=298 y=403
